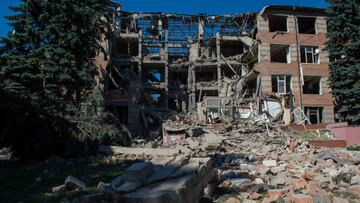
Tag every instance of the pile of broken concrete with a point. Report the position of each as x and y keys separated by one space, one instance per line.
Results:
x=240 y=165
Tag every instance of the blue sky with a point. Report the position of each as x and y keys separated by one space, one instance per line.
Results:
x=183 y=6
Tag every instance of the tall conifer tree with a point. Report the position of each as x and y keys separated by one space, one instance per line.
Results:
x=344 y=49
x=49 y=54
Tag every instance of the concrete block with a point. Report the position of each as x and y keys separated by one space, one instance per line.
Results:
x=270 y=163
x=73 y=183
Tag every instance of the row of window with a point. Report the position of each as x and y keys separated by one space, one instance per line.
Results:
x=306 y=25
x=282 y=84
x=281 y=54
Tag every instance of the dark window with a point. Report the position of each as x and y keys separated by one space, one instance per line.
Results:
x=280 y=53
x=312 y=85
x=314 y=114
x=307 y=25
x=281 y=83
x=278 y=23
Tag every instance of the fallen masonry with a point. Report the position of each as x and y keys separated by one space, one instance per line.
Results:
x=236 y=164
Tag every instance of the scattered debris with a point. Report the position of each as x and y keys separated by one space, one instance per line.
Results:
x=74 y=183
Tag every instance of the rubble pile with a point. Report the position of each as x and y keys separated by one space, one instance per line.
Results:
x=280 y=168
x=234 y=162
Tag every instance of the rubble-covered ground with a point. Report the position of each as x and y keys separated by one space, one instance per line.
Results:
x=230 y=163
x=225 y=163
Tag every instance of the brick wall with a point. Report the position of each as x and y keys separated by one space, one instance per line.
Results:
x=267 y=68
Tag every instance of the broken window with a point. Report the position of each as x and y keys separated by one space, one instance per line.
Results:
x=307 y=25
x=312 y=85
x=281 y=83
x=314 y=114
x=309 y=54
x=125 y=48
x=280 y=53
x=278 y=23
x=232 y=48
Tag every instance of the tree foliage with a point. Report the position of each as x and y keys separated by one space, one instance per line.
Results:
x=344 y=50
x=47 y=61
x=51 y=49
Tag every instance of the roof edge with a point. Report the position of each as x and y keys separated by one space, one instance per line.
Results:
x=291 y=8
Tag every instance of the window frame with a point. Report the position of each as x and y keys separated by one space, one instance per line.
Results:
x=315 y=56
x=286 y=79
x=310 y=111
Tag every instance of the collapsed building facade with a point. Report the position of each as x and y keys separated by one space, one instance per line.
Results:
x=254 y=66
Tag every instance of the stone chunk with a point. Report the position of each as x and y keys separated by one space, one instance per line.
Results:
x=355 y=180
x=278 y=180
x=239 y=181
x=161 y=160
x=116 y=182
x=137 y=151
x=128 y=187
x=192 y=143
x=269 y=163
x=301 y=198
x=195 y=132
x=60 y=188
x=275 y=195
x=103 y=187
x=138 y=172
x=248 y=201
x=73 y=183
x=212 y=141
x=340 y=200
x=139 y=167
x=232 y=200
x=259 y=181
x=278 y=169
x=186 y=169
x=326 y=155
x=162 y=174
x=354 y=189
x=321 y=198
x=182 y=189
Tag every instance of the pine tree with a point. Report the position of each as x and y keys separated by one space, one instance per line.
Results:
x=49 y=55
x=47 y=75
x=19 y=56
x=344 y=50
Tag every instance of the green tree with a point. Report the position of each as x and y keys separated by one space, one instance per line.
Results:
x=49 y=54
x=47 y=69
x=344 y=49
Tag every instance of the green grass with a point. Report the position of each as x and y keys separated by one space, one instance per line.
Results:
x=354 y=148
x=18 y=184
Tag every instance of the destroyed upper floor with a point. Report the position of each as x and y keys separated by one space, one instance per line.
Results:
x=181 y=33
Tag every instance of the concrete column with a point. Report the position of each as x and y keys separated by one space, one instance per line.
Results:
x=218 y=58
x=192 y=87
x=140 y=54
x=166 y=72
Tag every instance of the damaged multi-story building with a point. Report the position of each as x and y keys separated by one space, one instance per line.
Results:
x=230 y=66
